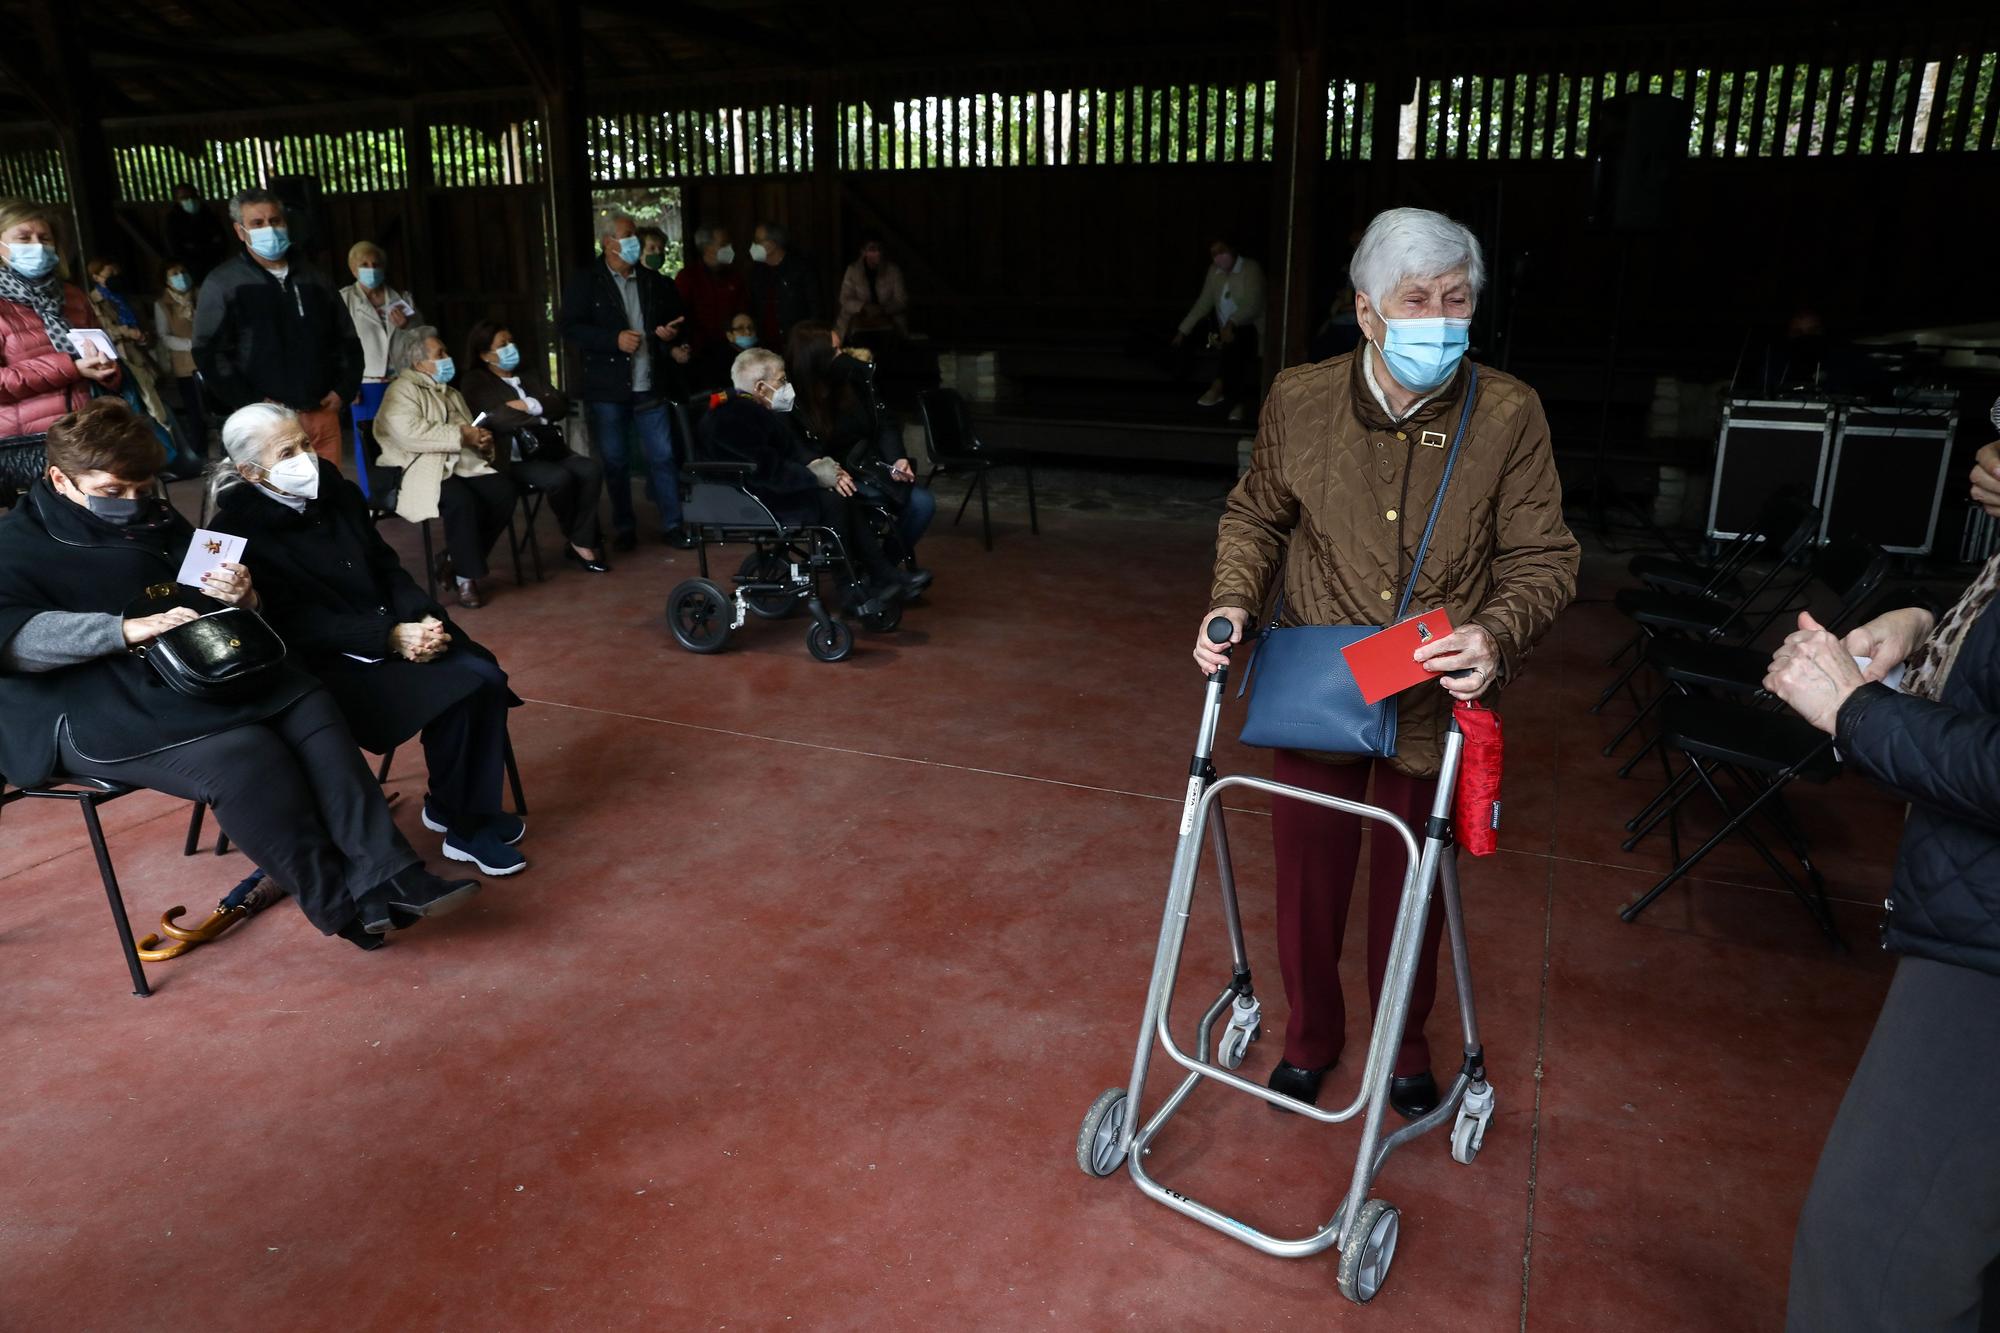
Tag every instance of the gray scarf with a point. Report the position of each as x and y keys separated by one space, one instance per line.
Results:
x=45 y=298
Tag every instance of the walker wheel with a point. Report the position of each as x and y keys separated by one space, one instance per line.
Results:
x=698 y=612
x=830 y=642
x=1466 y=1136
x=1235 y=1045
x=1364 y=1264
x=1097 y=1147
x=768 y=567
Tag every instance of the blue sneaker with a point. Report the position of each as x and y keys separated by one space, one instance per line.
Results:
x=510 y=829
x=483 y=849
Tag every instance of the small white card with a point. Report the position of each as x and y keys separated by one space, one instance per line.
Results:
x=409 y=311
x=208 y=552
x=94 y=340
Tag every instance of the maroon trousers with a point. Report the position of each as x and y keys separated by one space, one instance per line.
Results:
x=1317 y=852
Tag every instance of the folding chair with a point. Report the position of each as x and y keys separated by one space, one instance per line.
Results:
x=1712 y=618
x=956 y=450
x=380 y=483
x=1762 y=752
x=89 y=794
x=532 y=497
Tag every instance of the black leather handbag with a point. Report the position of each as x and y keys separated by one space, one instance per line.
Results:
x=542 y=442
x=223 y=656
x=22 y=459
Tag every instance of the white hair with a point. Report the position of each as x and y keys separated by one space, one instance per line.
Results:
x=753 y=364
x=705 y=236
x=244 y=435
x=609 y=218
x=409 y=347
x=1413 y=243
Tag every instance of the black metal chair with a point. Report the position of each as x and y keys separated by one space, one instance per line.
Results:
x=200 y=811
x=89 y=794
x=532 y=497
x=956 y=450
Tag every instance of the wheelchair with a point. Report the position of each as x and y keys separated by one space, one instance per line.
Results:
x=780 y=576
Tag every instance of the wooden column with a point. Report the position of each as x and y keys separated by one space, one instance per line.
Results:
x=1298 y=161
x=826 y=178
x=419 y=264
x=69 y=94
x=567 y=160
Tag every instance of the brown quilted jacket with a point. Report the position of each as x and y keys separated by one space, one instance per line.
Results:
x=1343 y=492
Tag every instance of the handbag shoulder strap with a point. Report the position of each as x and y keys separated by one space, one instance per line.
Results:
x=1437 y=502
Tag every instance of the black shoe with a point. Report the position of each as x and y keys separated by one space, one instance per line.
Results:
x=420 y=893
x=625 y=541
x=588 y=566
x=1293 y=1081
x=1414 y=1097
x=917 y=580
x=680 y=537
x=355 y=933
x=375 y=914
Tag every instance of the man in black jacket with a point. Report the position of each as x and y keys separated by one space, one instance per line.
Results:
x=267 y=330
x=1901 y=1230
x=782 y=289
x=194 y=236
x=625 y=322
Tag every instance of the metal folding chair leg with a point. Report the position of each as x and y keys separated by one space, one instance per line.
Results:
x=117 y=900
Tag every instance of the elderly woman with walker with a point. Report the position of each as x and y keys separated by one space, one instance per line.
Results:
x=1396 y=480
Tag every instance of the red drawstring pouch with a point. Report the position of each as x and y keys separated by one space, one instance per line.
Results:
x=1476 y=800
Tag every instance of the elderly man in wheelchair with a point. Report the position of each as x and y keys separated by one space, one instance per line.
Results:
x=806 y=517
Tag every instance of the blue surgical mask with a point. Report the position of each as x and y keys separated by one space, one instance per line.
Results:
x=629 y=248
x=443 y=369
x=743 y=339
x=1423 y=353
x=190 y=205
x=31 y=259
x=510 y=357
x=178 y=281
x=371 y=277
x=270 y=242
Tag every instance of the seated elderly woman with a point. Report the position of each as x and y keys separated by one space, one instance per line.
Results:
x=389 y=655
x=1349 y=462
x=800 y=489
x=84 y=564
x=525 y=414
x=425 y=428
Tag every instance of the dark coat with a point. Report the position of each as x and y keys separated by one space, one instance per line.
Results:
x=593 y=315
x=486 y=392
x=57 y=556
x=781 y=295
x=331 y=586
x=197 y=239
x=1944 y=757
x=741 y=429
x=258 y=337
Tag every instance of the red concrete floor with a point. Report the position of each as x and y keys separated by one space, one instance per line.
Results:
x=792 y=1021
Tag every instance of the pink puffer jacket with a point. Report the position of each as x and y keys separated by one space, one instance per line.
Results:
x=38 y=383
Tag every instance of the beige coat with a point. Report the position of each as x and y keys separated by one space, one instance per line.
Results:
x=1334 y=503
x=173 y=332
x=890 y=294
x=378 y=336
x=1246 y=288
x=418 y=429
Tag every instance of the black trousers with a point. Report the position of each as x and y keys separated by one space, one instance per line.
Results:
x=1901 y=1230
x=843 y=514
x=465 y=747
x=474 y=511
x=1238 y=365
x=573 y=486
x=294 y=793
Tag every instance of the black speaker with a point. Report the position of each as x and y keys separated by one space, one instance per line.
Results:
x=305 y=214
x=1767 y=447
x=1637 y=144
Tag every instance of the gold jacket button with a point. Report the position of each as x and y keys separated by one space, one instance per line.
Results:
x=1391 y=516
x=1386 y=594
x=1401 y=436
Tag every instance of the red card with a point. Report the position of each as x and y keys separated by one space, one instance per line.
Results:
x=1382 y=663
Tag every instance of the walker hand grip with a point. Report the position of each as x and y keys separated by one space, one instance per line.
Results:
x=1219 y=630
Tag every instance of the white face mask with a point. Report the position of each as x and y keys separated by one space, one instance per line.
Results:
x=782 y=400
x=297 y=476
x=726 y=255
x=757 y=252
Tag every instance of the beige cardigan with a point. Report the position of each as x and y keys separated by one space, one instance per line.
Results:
x=418 y=429
x=1246 y=287
x=889 y=289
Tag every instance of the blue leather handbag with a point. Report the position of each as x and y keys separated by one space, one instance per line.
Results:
x=1306 y=698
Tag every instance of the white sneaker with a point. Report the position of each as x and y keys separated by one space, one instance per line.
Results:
x=1209 y=399
x=1236 y=413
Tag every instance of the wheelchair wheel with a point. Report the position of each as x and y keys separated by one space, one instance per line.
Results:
x=768 y=567
x=831 y=642
x=885 y=620
x=698 y=612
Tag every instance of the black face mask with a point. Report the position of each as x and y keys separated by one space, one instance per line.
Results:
x=119 y=513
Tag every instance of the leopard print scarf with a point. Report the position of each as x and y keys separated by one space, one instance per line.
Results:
x=1930 y=666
